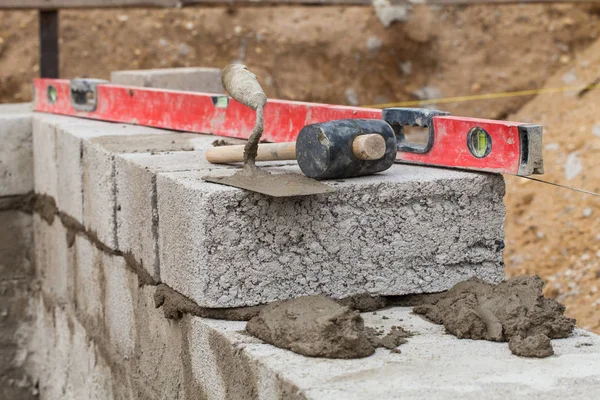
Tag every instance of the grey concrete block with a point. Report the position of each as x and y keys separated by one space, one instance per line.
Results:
x=98 y=174
x=99 y=171
x=68 y=364
x=118 y=309
x=16 y=109
x=89 y=282
x=54 y=259
x=74 y=163
x=462 y=368
x=206 y=80
x=99 y=187
x=16 y=321
x=122 y=327
x=159 y=358
x=120 y=295
x=58 y=150
x=45 y=170
x=16 y=245
x=408 y=230
x=70 y=136
x=16 y=153
x=44 y=157
x=137 y=213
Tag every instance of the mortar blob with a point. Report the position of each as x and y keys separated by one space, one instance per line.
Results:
x=515 y=310
x=313 y=326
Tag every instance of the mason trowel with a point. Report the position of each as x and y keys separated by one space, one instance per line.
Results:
x=243 y=86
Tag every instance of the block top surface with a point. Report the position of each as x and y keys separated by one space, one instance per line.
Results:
x=434 y=365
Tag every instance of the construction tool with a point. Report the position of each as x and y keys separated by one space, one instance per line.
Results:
x=327 y=150
x=243 y=86
x=453 y=142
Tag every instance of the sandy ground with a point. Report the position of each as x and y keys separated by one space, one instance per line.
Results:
x=552 y=231
x=345 y=55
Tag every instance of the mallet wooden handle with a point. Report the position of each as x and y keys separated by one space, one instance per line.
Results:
x=364 y=147
x=266 y=152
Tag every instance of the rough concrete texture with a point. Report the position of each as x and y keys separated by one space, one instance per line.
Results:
x=68 y=364
x=206 y=80
x=16 y=257
x=16 y=109
x=16 y=275
x=462 y=368
x=16 y=153
x=515 y=311
x=131 y=350
x=89 y=282
x=408 y=230
x=75 y=164
x=98 y=172
x=137 y=213
x=16 y=253
x=45 y=170
x=58 y=152
x=53 y=259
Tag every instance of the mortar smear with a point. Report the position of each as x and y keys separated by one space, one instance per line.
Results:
x=513 y=311
x=394 y=338
x=313 y=326
x=174 y=305
x=364 y=302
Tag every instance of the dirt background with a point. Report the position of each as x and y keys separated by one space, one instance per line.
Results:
x=346 y=55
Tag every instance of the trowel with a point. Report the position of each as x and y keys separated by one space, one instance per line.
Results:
x=243 y=86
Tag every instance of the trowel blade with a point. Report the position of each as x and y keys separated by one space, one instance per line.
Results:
x=276 y=185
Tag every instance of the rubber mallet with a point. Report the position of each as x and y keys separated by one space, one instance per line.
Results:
x=328 y=150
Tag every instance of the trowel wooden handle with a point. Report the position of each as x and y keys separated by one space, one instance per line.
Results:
x=364 y=147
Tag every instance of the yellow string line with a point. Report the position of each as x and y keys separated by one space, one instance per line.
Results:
x=487 y=96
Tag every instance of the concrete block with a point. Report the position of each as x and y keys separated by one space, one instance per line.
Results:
x=16 y=322
x=206 y=80
x=16 y=108
x=69 y=151
x=119 y=293
x=70 y=139
x=99 y=173
x=99 y=193
x=44 y=156
x=462 y=368
x=70 y=136
x=408 y=230
x=159 y=355
x=69 y=364
x=16 y=242
x=16 y=153
x=137 y=213
x=121 y=323
x=89 y=282
x=54 y=259
x=45 y=170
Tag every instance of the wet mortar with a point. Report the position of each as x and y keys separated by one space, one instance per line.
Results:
x=513 y=311
x=314 y=326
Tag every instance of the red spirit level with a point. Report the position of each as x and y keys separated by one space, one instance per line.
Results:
x=455 y=142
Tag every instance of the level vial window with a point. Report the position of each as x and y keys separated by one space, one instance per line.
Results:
x=52 y=94
x=479 y=142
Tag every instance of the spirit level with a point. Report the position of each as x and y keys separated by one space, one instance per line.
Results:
x=455 y=142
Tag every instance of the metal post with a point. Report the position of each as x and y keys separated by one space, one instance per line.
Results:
x=49 y=43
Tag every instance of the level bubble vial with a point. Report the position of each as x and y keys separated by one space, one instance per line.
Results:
x=479 y=142
x=52 y=94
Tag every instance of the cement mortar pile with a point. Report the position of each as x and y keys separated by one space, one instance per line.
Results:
x=513 y=311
